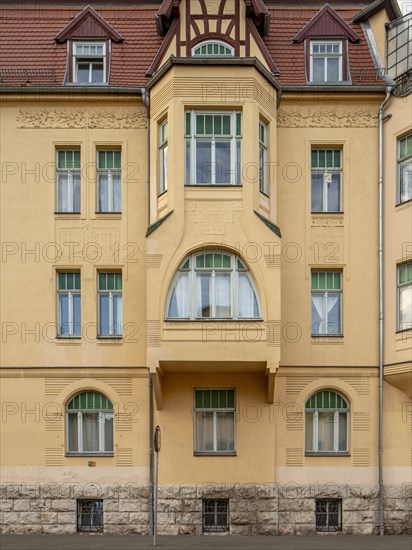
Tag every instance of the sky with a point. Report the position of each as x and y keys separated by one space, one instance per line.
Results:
x=406 y=6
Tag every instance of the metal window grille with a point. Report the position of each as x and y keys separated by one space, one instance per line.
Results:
x=90 y=515
x=215 y=515
x=329 y=514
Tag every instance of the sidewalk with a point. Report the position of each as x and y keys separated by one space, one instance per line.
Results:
x=107 y=542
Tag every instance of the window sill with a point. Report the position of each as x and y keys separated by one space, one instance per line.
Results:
x=67 y=213
x=110 y=213
x=343 y=453
x=223 y=453
x=89 y=454
x=403 y=203
x=215 y=320
x=68 y=338
x=317 y=336
x=213 y=185
x=102 y=339
x=321 y=212
x=403 y=330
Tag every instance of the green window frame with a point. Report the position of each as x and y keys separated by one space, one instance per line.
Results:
x=405 y=169
x=110 y=304
x=326 y=295
x=68 y=304
x=215 y=421
x=67 y=180
x=404 y=299
x=109 y=180
x=326 y=180
x=215 y=48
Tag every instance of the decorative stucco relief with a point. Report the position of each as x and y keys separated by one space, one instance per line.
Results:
x=78 y=117
x=327 y=117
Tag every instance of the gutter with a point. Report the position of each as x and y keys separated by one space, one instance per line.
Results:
x=381 y=315
x=344 y=88
x=24 y=89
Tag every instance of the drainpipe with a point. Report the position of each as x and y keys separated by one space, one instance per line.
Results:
x=151 y=453
x=380 y=449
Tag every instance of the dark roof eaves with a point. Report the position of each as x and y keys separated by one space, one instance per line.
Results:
x=391 y=6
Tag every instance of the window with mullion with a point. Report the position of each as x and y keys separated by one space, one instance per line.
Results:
x=68 y=180
x=163 y=152
x=326 y=61
x=405 y=169
x=89 y=62
x=327 y=425
x=215 y=411
x=110 y=304
x=68 y=305
x=109 y=181
x=326 y=303
x=405 y=296
x=326 y=180
x=263 y=177
x=213 y=148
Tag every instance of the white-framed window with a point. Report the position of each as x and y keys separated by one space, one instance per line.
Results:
x=405 y=296
x=326 y=180
x=110 y=304
x=263 y=151
x=213 y=48
x=326 y=60
x=68 y=304
x=215 y=515
x=327 y=423
x=89 y=62
x=328 y=515
x=405 y=169
x=213 y=147
x=90 y=419
x=326 y=303
x=215 y=418
x=68 y=180
x=109 y=180
x=163 y=150
x=212 y=285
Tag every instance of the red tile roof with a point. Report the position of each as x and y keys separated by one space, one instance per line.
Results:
x=27 y=42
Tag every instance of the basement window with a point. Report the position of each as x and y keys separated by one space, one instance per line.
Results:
x=215 y=515
x=89 y=515
x=328 y=515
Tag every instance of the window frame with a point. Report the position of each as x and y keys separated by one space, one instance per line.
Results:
x=88 y=58
x=79 y=509
x=110 y=293
x=325 y=56
x=215 y=528
x=263 y=154
x=406 y=160
x=192 y=138
x=70 y=181
x=213 y=42
x=102 y=414
x=326 y=171
x=163 y=155
x=70 y=293
x=327 y=529
x=315 y=425
x=110 y=182
x=215 y=411
x=399 y=287
x=235 y=296
x=325 y=294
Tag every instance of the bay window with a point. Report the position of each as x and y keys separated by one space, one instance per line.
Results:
x=213 y=148
x=214 y=414
x=90 y=419
x=212 y=285
x=327 y=425
x=326 y=303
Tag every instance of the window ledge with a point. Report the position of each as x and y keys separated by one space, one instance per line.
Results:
x=108 y=339
x=403 y=330
x=108 y=213
x=215 y=320
x=217 y=453
x=327 y=213
x=67 y=213
x=409 y=201
x=66 y=339
x=343 y=453
x=327 y=336
x=89 y=454
x=213 y=185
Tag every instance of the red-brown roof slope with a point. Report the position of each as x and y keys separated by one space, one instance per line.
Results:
x=286 y=22
x=27 y=42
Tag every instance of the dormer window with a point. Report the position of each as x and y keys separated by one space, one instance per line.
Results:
x=326 y=61
x=213 y=48
x=89 y=62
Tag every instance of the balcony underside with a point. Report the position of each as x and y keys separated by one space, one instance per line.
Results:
x=400 y=376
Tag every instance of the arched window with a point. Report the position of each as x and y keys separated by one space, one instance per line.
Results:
x=212 y=285
x=327 y=425
x=89 y=424
x=213 y=47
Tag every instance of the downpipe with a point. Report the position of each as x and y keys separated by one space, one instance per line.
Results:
x=151 y=453
x=381 y=315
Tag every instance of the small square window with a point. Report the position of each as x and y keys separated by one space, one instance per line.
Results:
x=215 y=515
x=89 y=515
x=328 y=515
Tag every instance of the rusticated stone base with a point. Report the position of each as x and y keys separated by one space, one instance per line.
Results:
x=254 y=509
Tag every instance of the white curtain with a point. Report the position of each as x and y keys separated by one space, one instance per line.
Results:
x=179 y=300
x=117 y=314
x=326 y=423
x=117 y=192
x=225 y=431
x=204 y=432
x=103 y=192
x=321 y=307
x=247 y=302
x=90 y=432
x=405 y=307
x=222 y=295
x=203 y=295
